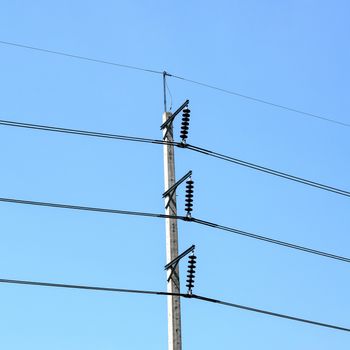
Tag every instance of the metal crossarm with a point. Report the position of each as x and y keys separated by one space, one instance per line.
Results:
x=171 y=191
x=173 y=264
x=169 y=121
x=176 y=260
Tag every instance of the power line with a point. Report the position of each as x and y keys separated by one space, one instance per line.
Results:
x=259 y=100
x=84 y=208
x=184 y=218
x=74 y=286
x=188 y=296
x=265 y=312
x=61 y=53
x=197 y=149
x=269 y=170
x=270 y=240
x=180 y=145
x=231 y=92
x=82 y=132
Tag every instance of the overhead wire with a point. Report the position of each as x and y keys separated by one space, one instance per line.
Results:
x=188 y=296
x=180 y=145
x=75 y=286
x=61 y=53
x=259 y=100
x=270 y=313
x=183 y=218
x=82 y=132
x=267 y=170
x=198 y=221
x=85 y=208
x=226 y=91
x=270 y=240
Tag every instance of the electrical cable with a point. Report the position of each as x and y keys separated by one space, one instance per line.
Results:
x=61 y=53
x=268 y=170
x=188 y=296
x=74 y=286
x=198 y=221
x=259 y=100
x=82 y=132
x=270 y=313
x=270 y=240
x=180 y=145
x=183 y=218
x=84 y=208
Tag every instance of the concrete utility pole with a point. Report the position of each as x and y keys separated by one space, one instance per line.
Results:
x=174 y=312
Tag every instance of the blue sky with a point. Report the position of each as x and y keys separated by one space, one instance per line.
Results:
x=293 y=53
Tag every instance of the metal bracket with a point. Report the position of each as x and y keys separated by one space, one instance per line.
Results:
x=166 y=125
x=173 y=264
x=172 y=190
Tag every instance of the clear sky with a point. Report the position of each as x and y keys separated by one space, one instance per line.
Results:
x=294 y=53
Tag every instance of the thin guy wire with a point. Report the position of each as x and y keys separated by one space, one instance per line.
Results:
x=259 y=100
x=184 y=218
x=164 y=91
x=181 y=145
x=180 y=78
x=81 y=57
x=188 y=296
x=170 y=95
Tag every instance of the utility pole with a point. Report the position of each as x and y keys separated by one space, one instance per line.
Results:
x=172 y=251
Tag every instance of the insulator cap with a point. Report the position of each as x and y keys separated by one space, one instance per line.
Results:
x=185 y=124
x=191 y=272
x=189 y=197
